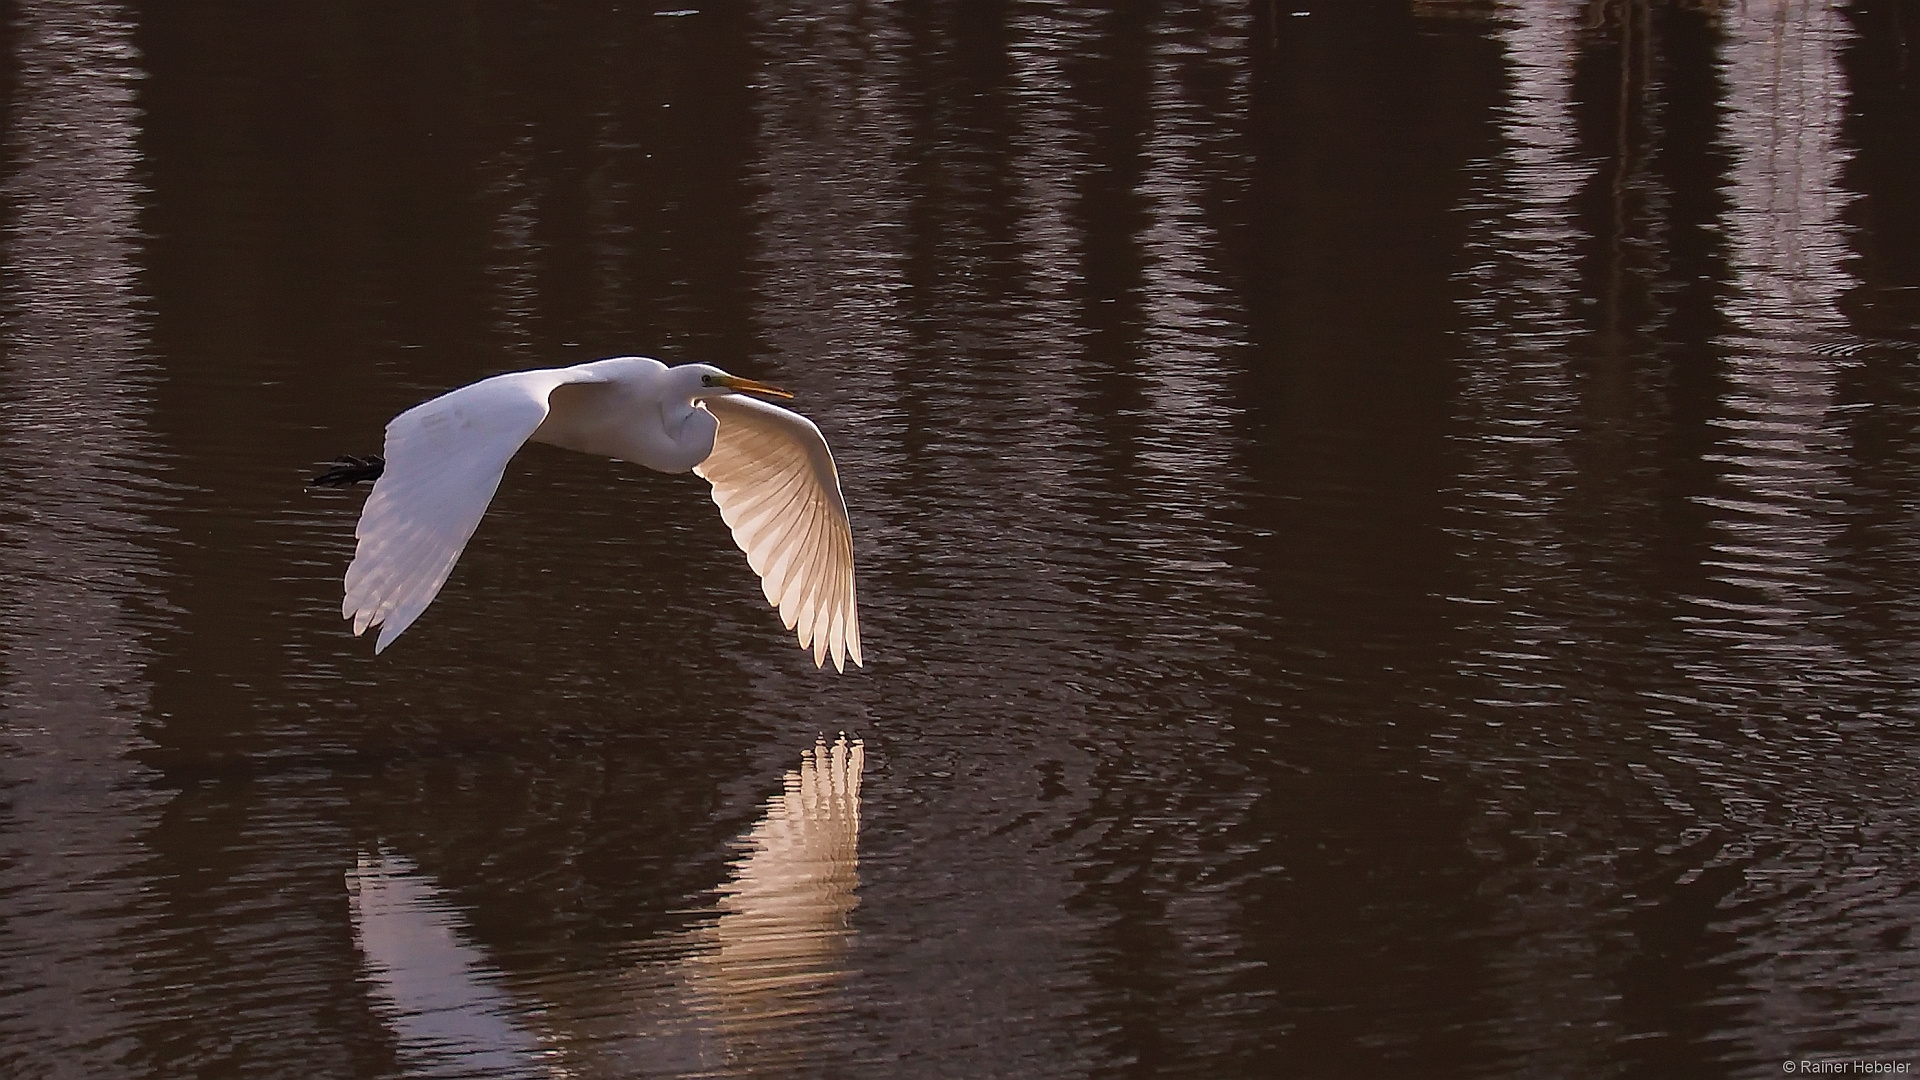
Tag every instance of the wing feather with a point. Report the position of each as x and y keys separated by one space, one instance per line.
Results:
x=778 y=491
x=774 y=578
x=811 y=579
x=803 y=573
x=760 y=514
x=444 y=460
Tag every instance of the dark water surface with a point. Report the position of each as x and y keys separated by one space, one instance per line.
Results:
x=1389 y=541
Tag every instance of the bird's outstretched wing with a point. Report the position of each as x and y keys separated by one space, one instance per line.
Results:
x=444 y=459
x=774 y=481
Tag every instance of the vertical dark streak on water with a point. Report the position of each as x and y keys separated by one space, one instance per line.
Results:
x=1687 y=166
x=1879 y=392
x=1347 y=397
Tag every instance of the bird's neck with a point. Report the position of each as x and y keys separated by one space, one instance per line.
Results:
x=690 y=429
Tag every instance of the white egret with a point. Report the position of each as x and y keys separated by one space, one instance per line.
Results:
x=772 y=475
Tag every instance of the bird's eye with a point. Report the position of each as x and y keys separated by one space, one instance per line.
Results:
x=706 y=380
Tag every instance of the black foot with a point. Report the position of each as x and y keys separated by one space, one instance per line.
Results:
x=349 y=470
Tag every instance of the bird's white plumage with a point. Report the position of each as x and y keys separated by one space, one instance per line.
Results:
x=444 y=462
x=773 y=479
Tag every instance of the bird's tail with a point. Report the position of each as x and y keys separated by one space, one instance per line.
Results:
x=348 y=470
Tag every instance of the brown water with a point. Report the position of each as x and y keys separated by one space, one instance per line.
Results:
x=1389 y=541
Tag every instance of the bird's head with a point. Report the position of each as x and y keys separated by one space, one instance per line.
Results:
x=710 y=381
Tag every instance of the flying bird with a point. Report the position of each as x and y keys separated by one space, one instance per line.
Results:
x=772 y=475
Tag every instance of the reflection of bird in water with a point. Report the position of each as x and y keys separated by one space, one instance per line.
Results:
x=437 y=990
x=785 y=912
x=746 y=991
x=772 y=475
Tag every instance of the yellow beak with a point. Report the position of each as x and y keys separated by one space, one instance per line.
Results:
x=734 y=382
